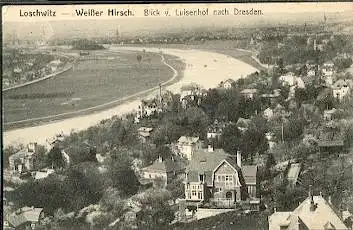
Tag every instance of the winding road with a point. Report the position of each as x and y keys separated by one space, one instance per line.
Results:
x=202 y=67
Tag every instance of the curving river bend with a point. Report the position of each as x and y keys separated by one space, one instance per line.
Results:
x=202 y=67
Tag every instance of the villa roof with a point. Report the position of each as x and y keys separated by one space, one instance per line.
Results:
x=321 y=216
x=205 y=162
x=168 y=165
x=188 y=140
x=24 y=215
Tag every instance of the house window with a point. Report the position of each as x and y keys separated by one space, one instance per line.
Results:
x=193 y=192
x=201 y=178
x=150 y=175
x=188 y=186
x=200 y=195
x=188 y=195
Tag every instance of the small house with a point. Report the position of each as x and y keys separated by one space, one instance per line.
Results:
x=163 y=169
x=24 y=218
x=289 y=79
x=188 y=146
x=24 y=160
x=249 y=93
x=144 y=133
x=227 y=84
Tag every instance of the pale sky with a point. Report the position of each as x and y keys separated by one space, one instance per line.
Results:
x=67 y=24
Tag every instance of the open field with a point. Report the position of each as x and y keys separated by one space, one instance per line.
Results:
x=90 y=83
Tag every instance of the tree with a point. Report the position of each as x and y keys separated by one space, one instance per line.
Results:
x=121 y=174
x=55 y=158
x=8 y=151
x=139 y=58
x=155 y=211
x=231 y=139
x=176 y=188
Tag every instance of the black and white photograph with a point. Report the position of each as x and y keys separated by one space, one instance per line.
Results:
x=177 y=116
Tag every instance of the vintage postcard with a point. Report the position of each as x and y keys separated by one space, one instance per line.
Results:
x=178 y=116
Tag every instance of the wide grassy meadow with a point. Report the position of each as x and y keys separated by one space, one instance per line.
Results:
x=101 y=77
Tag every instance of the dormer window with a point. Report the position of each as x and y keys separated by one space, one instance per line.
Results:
x=202 y=178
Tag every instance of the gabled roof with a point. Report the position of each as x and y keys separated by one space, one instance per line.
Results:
x=21 y=154
x=322 y=216
x=205 y=162
x=249 y=174
x=176 y=164
x=188 y=140
x=23 y=215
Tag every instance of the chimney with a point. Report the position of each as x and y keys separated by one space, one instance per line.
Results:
x=313 y=206
x=239 y=158
x=210 y=148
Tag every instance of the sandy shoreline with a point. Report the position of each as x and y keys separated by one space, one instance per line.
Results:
x=202 y=67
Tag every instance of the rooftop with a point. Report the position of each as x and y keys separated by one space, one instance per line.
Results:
x=23 y=215
x=317 y=218
x=188 y=140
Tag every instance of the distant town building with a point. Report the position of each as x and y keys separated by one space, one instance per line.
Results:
x=227 y=84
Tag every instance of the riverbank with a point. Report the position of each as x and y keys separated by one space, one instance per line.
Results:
x=204 y=68
x=39 y=79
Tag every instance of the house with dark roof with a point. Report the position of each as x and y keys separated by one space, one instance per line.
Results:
x=331 y=140
x=24 y=218
x=163 y=169
x=215 y=176
x=312 y=214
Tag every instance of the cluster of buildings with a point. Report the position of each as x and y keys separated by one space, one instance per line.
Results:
x=23 y=71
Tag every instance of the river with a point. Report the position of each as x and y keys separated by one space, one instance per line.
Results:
x=204 y=68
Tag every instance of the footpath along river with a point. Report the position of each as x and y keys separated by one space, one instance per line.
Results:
x=202 y=67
